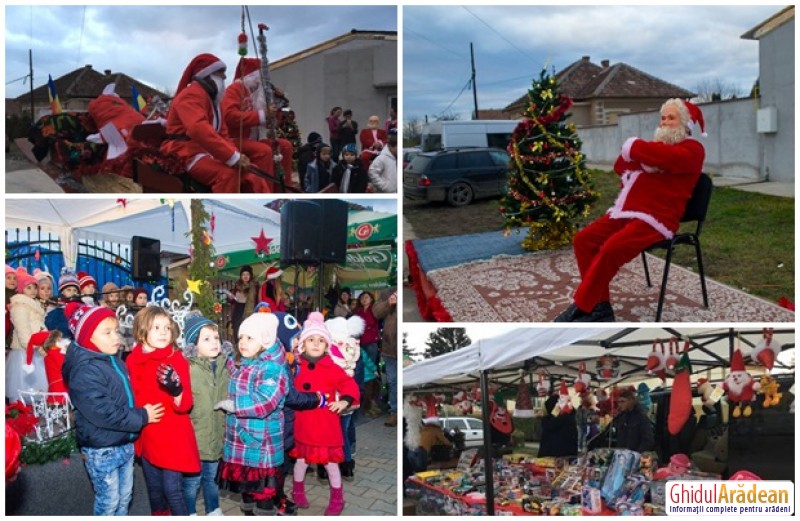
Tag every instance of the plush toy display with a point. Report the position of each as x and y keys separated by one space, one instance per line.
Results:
x=740 y=386
x=583 y=381
x=564 y=404
x=524 y=404
x=463 y=402
x=672 y=358
x=543 y=387
x=680 y=404
x=499 y=419
x=657 y=361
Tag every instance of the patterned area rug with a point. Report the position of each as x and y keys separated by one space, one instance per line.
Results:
x=536 y=287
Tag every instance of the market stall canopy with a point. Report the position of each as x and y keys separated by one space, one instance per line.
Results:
x=709 y=352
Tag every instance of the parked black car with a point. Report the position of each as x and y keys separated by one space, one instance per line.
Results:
x=457 y=176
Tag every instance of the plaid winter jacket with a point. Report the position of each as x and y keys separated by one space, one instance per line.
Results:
x=254 y=432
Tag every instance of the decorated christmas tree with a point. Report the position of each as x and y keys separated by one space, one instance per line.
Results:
x=548 y=189
x=202 y=268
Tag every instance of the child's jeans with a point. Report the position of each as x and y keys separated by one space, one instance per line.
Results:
x=346 y=421
x=164 y=489
x=207 y=478
x=111 y=472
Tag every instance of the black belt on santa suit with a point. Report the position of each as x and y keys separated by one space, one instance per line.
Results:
x=177 y=137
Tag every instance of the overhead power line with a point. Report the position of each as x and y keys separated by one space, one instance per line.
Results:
x=509 y=42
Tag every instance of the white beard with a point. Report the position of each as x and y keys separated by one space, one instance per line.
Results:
x=669 y=135
x=220 y=83
x=737 y=381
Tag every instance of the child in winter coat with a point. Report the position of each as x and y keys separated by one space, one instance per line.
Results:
x=350 y=176
x=253 y=452
x=88 y=287
x=55 y=348
x=160 y=374
x=45 y=295
x=68 y=291
x=319 y=172
x=345 y=352
x=27 y=318
x=106 y=419
x=318 y=433
x=209 y=387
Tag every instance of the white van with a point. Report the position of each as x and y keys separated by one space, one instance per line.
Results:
x=471 y=427
x=494 y=133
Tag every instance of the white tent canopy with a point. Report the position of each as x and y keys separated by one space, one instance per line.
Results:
x=499 y=352
x=552 y=350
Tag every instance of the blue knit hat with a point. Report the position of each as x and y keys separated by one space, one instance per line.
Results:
x=193 y=325
x=350 y=148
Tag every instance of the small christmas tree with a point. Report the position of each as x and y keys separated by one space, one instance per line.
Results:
x=548 y=188
x=202 y=267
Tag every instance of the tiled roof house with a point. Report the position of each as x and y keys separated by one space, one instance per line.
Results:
x=77 y=88
x=601 y=92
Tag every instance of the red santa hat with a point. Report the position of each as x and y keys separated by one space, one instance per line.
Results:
x=200 y=67
x=84 y=279
x=273 y=272
x=36 y=340
x=766 y=351
x=695 y=117
x=737 y=362
x=246 y=67
x=24 y=279
x=431 y=416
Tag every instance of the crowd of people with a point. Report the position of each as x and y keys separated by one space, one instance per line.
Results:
x=197 y=411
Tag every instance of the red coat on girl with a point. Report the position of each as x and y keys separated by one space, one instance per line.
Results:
x=169 y=444
x=321 y=427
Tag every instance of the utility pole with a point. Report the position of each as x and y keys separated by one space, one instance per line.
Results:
x=30 y=64
x=474 y=87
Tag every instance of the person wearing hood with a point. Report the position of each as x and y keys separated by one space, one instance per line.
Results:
x=383 y=170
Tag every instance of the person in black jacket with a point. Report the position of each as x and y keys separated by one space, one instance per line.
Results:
x=106 y=420
x=306 y=154
x=559 y=433
x=634 y=430
x=349 y=175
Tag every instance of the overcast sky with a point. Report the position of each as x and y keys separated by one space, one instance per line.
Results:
x=684 y=45
x=418 y=333
x=154 y=44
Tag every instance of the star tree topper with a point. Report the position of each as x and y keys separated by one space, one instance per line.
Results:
x=262 y=242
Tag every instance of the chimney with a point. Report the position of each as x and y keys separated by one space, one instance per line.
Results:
x=585 y=59
x=604 y=63
x=88 y=65
x=107 y=72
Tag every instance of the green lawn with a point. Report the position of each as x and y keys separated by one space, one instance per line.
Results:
x=747 y=239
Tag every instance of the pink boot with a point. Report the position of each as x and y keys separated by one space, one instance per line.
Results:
x=299 y=494
x=336 y=503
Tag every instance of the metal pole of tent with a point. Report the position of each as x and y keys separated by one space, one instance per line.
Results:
x=487 y=443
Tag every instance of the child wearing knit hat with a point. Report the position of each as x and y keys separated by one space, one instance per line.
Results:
x=252 y=455
x=318 y=432
x=106 y=418
x=210 y=377
x=27 y=318
x=160 y=374
x=88 y=288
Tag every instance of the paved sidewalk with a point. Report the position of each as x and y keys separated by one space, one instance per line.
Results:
x=372 y=493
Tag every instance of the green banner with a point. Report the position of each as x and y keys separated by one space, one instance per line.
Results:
x=372 y=267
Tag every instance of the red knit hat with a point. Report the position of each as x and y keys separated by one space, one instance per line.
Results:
x=84 y=279
x=201 y=66
x=83 y=320
x=696 y=117
x=24 y=279
x=247 y=66
x=36 y=340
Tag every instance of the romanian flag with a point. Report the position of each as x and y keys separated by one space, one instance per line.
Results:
x=138 y=99
x=55 y=103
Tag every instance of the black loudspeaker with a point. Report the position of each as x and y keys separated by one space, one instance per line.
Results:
x=300 y=232
x=145 y=258
x=333 y=247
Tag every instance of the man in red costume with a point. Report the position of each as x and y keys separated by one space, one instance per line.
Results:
x=658 y=178
x=115 y=120
x=196 y=133
x=244 y=111
x=372 y=138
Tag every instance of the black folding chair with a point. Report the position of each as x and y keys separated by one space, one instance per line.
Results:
x=696 y=210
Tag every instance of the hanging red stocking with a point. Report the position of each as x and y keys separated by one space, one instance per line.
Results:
x=680 y=405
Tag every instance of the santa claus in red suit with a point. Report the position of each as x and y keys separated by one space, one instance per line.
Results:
x=740 y=386
x=372 y=138
x=244 y=111
x=115 y=120
x=658 y=178
x=197 y=134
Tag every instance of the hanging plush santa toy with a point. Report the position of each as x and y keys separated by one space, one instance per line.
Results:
x=543 y=387
x=657 y=361
x=766 y=350
x=673 y=356
x=583 y=381
x=463 y=402
x=564 y=403
x=740 y=386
